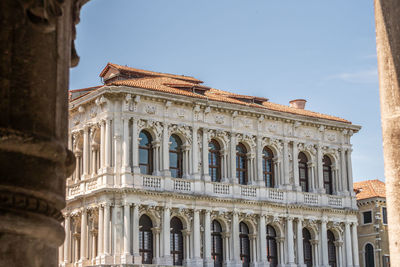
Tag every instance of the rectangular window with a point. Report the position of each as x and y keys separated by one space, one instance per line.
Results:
x=367 y=216
x=384 y=215
x=386 y=260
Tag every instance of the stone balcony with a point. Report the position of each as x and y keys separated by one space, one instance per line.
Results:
x=211 y=189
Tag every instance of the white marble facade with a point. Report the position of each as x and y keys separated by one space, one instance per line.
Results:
x=119 y=215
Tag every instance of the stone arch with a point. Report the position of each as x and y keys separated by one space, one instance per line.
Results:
x=336 y=232
x=222 y=221
x=313 y=231
x=250 y=224
x=153 y=217
x=280 y=232
x=150 y=130
x=184 y=219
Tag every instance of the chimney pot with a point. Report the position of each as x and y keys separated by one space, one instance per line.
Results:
x=298 y=103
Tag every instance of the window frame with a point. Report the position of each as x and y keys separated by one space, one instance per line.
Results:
x=142 y=250
x=244 y=237
x=305 y=167
x=368 y=263
x=329 y=171
x=173 y=234
x=217 y=153
x=271 y=238
x=149 y=149
x=363 y=217
x=217 y=237
x=265 y=161
x=331 y=242
x=242 y=155
x=307 y=240
x=383 y=217
x=179 y=153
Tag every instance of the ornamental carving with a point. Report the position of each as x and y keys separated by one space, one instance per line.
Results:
x=221 y=135
x=183 y=130
x=181 y=113
x=219 y=119
x=93 y=111
x=150 y=109
x=330 y=137
x=272 y=127
x=250 y=140
x=155 y=126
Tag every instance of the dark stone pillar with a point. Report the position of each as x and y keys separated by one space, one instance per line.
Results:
x=387 y=16
x=35 y=56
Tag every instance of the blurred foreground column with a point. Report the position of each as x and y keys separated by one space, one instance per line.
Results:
x=36 y=52
x=387 y=16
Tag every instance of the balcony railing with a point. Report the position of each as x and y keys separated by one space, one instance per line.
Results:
x=76 y=189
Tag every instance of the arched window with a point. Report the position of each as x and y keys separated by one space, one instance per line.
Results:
x=369 y=256
x=272 y=248
x=214 y=161
x=303 y=172
x=176 y=241
x=268 y=167
x=307 y=248
x=331 y=249
x=244 y=244
x=145 y=153
x=175 y=156
x=241 y=163
x=146 y=239
x=327 y=167
x=217 y=246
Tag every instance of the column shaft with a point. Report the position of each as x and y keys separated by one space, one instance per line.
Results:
x=299 y=239
x=107 y=229
x=195 y=153
x=100 y=241
x=207 y=235
x=324 y=243
x=356 y=260
x=86 y=152
x=84 y=243
x=206 y=175
x=125 y=144
x=262 y=239
x=233 y=159
x=166 y=250
x=67 y=242
x=165 y=150
x=349 y=252
x=343 y=170
x=296 y=165
x=285 y=163
x=350 y=171
x=320 y=176
x=127 y=227
x=289 y=235
x=196 y=234
x=107 y=144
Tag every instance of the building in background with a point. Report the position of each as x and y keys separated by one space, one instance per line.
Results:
x=172 y=172
x=372 y=228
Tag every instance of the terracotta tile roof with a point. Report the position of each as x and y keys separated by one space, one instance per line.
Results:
x=148 y=73
x=369 y=189
x=182 y=85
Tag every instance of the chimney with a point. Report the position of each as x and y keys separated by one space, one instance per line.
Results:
x=298 y=103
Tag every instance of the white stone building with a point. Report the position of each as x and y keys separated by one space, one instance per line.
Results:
x=171 y=172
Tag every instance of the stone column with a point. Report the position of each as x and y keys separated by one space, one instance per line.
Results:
x=311 y=181
x=225 y=248
x=356 y=261
x=107 y=229
x=186 y=242
x=281 y=255
x=314 y=249
x=135 y=146
x=259 y=150
x=206 y=174
x=76 y=236
x=196 y=238
x=67 y=242
x=350 y=171
x=339 y=254
x=156 y=157
x=126 y=168
x=320 y=173
x=299 y=242
x=94 y=148
x=296 y=166
x=166 y=249
x=235 y=244
x=253 y=247
x=36 y=52
x=165 y=150
x=107 y=146
x=127 y=257
x=100 y=239
x=102 y=143
x=185 y=160
x=135 y=224
x=195 y=153
x=156 y=244
x=387 y=39
x=348 y=246
x=233 y=159
x=84 y=235
x=262 y=240
x=324 y=243
x=77 y=174
x=285 y=180
x=208 y=262
x=290 y=245
x=343 y=170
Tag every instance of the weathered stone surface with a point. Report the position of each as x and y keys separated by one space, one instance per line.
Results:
x=387 y=15
x=35 y=56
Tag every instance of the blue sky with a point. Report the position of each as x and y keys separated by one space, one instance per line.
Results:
x=323 y=51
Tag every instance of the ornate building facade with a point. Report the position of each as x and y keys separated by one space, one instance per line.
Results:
x=171 y=172
x=373 y=236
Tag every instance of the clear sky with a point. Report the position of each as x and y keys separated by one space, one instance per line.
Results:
x=323 y=51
